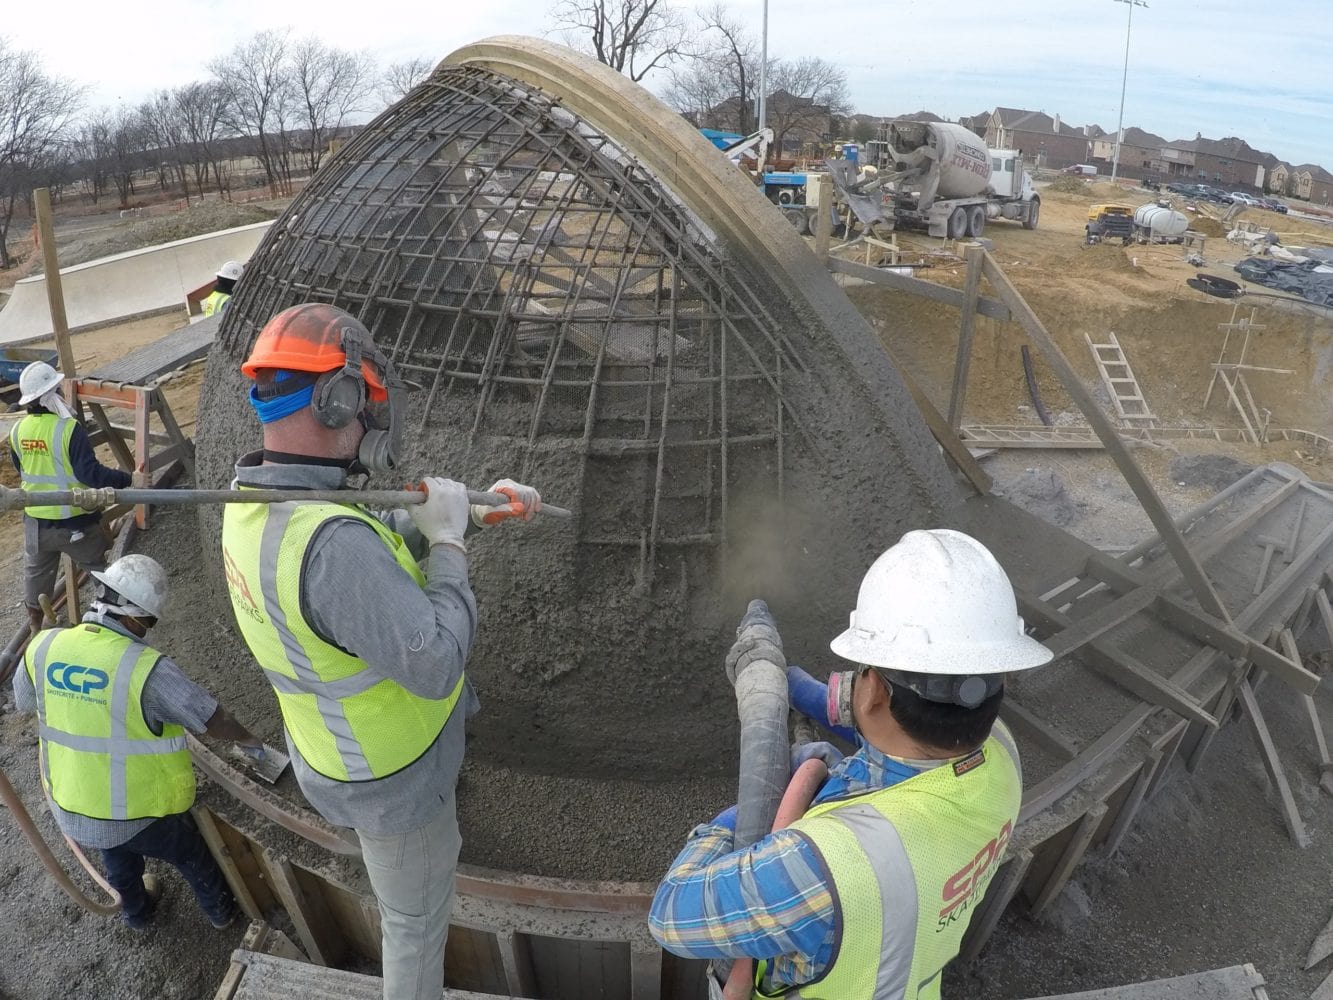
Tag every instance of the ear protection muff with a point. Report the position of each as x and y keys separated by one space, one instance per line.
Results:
x=340 y=395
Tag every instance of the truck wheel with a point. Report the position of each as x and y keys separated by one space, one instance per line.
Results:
x=798 y=219
x=976 y=221
x=958 y=224
x=785 y=197
x=1034 y=212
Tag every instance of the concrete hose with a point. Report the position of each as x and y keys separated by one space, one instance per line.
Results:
x=15 y=805
x=760 y=677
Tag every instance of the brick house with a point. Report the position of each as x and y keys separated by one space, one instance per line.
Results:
x=1229 y=163
x=1039 y=137
x=1279 y=177
x=1312 y=183
x=1140 y=154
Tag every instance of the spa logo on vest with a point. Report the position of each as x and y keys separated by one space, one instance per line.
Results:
x=240 y=590
x=33 y=446
x=969 y=883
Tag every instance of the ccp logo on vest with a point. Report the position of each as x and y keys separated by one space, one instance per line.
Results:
x=76 y=679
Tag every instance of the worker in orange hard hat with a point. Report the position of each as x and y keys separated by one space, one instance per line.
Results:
x=364 y=649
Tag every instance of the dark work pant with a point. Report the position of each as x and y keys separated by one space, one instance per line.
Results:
x=176 y=840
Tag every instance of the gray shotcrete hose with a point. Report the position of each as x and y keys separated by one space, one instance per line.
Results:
x=758 y=669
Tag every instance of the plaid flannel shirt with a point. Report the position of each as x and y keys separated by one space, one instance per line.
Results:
x=773 y=900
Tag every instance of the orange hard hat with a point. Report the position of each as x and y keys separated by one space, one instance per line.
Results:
x=309 y=338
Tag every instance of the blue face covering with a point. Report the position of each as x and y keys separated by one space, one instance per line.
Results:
x=269 y=410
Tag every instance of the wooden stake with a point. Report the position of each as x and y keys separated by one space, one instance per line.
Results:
x=823 y=217
x=964 y=358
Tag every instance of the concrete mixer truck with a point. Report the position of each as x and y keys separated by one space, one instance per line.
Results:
x=942 y=178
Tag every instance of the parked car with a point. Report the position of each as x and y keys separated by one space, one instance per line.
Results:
x=1081 y=169
x=1273 y=205
x=1244 y=198
x=1180 y=187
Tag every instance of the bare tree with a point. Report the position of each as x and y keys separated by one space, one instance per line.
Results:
x=331 y=85
x=164 y=130
x=719 y=81
x=805 y=95
x=633 y=37
x=91 y=152
x=36 y=117
x=257 y=84
x=202 y=106
x=125 y=151
x=401 y=77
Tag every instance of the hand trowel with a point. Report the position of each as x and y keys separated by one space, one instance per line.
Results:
x=264 y=762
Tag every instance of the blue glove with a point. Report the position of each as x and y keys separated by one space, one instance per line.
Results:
x=810 y=697
x=726 y=818
x=827 y=752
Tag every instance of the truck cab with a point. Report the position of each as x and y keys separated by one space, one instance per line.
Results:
x=1008 y=178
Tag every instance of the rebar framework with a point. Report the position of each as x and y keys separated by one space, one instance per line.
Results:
x=503 y=250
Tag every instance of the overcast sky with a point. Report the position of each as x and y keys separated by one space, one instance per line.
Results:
x=1220 y=67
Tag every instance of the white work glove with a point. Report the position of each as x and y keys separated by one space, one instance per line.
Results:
x=442 y=519
x=524 y=501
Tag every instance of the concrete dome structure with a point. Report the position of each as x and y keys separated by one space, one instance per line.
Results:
x=595 y=301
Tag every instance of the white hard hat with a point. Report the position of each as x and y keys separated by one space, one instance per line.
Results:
x=232 y=270
x=938 y=603
x=36 y=381
x=140 y=581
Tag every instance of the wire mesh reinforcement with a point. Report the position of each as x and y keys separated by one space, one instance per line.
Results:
x=509 y=256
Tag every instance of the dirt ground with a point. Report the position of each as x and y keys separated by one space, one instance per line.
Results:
x=1208 y=876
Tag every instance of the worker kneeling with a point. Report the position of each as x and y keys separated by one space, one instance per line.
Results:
x=868 y=895
x=112 y=715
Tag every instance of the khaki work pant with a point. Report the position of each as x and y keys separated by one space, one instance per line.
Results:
x=412 y=875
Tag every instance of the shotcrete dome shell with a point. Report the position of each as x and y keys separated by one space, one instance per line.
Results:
x=1160 y=221
x=593 y=300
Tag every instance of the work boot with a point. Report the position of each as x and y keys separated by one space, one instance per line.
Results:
x=152 y=887
x=36 y=620
x=224 y=914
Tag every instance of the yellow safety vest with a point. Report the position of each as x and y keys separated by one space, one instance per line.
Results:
x=214 y=302
x=909 y=865
x=349 y=723
x=102 y=759
x=41 y=441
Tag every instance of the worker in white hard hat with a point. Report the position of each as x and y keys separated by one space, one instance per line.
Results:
x=112 y=714
x=362 y=625
x=225 y=283
x=867 y=896
x=51 y=451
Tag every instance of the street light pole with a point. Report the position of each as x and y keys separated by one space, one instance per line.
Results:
x=762 y=114
x=1124 y=80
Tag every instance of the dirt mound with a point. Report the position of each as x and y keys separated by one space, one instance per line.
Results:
x=1214 y=471
x=1068 y=184
x=1041 y=492
x=1208 y=226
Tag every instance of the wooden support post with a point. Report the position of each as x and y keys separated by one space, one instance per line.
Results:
x=313 y=925
x=1073 y=854
x=1152 y=505
x=143 y=475
x=645 y=969
x=959 y=394
x=1272 y=764
x=516 y=957
x=222 y=855
x=1129 y=809
x=1325 y=612
x=1003 y=888
x=823 y=216
x=1023 y=723
x=114 y=440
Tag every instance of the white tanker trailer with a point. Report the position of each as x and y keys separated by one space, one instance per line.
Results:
x=940 y=177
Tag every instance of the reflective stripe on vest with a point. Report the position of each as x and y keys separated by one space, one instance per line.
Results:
x=41 y=441
x=909 y=866
x=348 y=722
x=214 y=302
x=100 y=757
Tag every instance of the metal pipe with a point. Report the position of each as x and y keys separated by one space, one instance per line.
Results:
x=91 y=499
x=1124 y=81
x=761 y=703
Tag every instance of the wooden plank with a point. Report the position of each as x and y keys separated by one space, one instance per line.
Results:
x=1144 y=682
x=963 y=359
x=1066 y=634
x=1024 y=723
x=1272 y=764
x=316 y=940
x=945 y=435
x=645 y=974
x=1073 y=854
x=824 y=220
x=244 y=856
x=516 y=958
x=115 y=441
x=1152 y=504
x=222 y=855
x=1003 y=888
x=174 y=432
x=1325 y=612
x=919 y=287
x=1124 y=819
